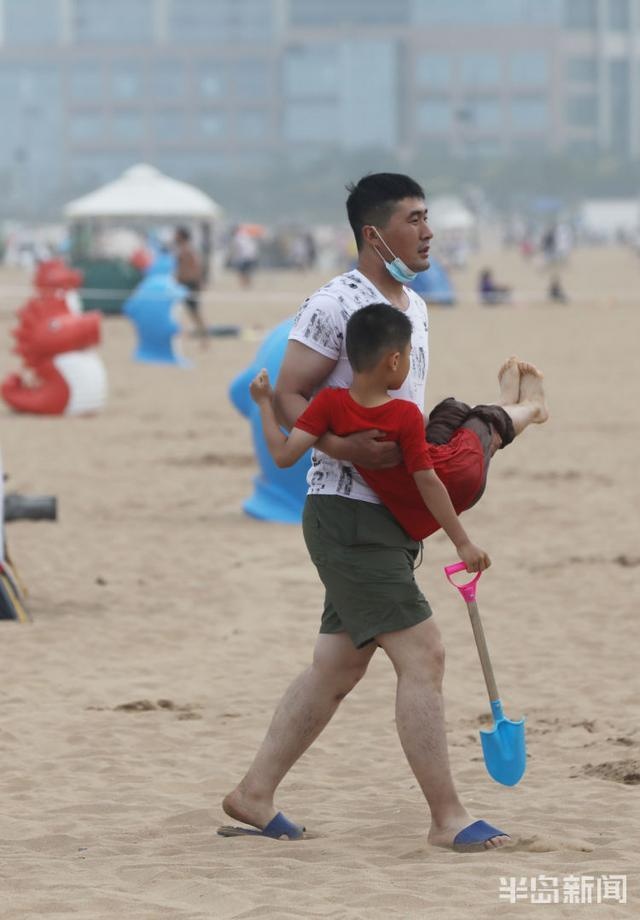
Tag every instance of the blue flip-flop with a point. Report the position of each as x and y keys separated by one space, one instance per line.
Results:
x=473 y=838
x=278 y=827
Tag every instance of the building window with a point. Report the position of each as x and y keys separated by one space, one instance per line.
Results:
x=368 y=104
x=86 y=82
x=620 y=104
x=482 y=113
x=11 y=79
x=581 y=14
x=581 y=147
x=126 y=81
x=310 y=122
x=211 y=80
x=532 y=146
x=211 y=124
x=582 y=110
x=194 y=166
x=86 y=126
x=481 y=70
x=434 y=115
x=312 y=71
x=330 y=13
x=169 y=125
x=252 y=79
x=127 y=125
x=167 y=80
x=619 y=15
x=486 y=12
x=529 y=68
x=529 y=113
x=31 y=22
x=484 y=147
x=22 y=85
x=221 y=21
x=251 y=124
x=118 y=21
x=619 y=76
x=91 y=168
x=582 y=69
x=433 y=71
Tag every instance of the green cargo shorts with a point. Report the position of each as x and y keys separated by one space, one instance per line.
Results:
x=365 y=561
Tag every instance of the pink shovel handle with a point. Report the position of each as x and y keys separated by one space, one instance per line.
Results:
x=468 y=589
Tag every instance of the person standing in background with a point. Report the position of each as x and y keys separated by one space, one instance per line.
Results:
x=189 y=272
x=243 y=255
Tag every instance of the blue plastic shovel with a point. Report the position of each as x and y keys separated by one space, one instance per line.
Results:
x=504 y=746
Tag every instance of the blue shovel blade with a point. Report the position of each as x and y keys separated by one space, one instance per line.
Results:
x=505 y=751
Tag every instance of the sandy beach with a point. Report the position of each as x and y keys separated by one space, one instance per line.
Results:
x=167 y=624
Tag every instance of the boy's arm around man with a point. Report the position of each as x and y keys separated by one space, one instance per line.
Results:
x=302 y=372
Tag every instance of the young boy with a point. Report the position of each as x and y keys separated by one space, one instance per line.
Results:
x=440 y=476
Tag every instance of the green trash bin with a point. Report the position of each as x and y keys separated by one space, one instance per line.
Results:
x=108 y=283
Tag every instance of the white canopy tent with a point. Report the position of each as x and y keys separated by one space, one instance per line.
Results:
x=454 y=227
x=144 y=192
x=110 y=224
x=608 y=219
x=450 y=213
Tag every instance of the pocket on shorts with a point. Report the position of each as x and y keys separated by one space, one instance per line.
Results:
x=328 y=526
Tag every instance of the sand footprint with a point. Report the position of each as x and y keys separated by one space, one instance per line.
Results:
x=186 y=711
x=546 y=843
x=618 y=771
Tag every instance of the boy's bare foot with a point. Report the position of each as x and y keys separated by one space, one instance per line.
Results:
x=509 y=380
x=532 y=391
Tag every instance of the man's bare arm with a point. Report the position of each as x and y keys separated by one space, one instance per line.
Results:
x=303 y=370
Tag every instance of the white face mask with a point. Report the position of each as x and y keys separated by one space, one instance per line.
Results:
x=396 y=268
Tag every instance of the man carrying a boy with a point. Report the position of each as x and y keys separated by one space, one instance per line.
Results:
x=388 y=215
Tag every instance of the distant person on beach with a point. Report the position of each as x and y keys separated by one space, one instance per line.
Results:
x=556 y=292
x=374 y=597
x=490 y=292
x=189 y=272
x=243 y=255
x=548 y=245
x=556 y=244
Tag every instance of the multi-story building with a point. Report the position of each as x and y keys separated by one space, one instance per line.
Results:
x=222 y=87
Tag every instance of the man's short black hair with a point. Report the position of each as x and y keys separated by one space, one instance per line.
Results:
x=183 y=233
x=373 y=199
x=374 y=330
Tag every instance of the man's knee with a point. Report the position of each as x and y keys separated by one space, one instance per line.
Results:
x=349 y=678
x=431 y=657
x=339 y=674
x=416 y=651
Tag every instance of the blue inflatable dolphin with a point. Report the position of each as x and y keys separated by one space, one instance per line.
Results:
x=278 y=494
x=151 y=308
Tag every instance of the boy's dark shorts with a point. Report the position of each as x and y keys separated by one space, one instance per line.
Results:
x=451 y=414
x=365 y=561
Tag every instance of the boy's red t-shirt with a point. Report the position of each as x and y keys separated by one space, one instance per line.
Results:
x=459 y=463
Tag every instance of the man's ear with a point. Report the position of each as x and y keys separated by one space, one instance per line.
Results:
x=369 y=235
x=394 y=360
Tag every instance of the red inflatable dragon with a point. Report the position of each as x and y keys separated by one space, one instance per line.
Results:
x=63 y=373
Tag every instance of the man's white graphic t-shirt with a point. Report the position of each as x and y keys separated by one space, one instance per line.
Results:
x=321 y=324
